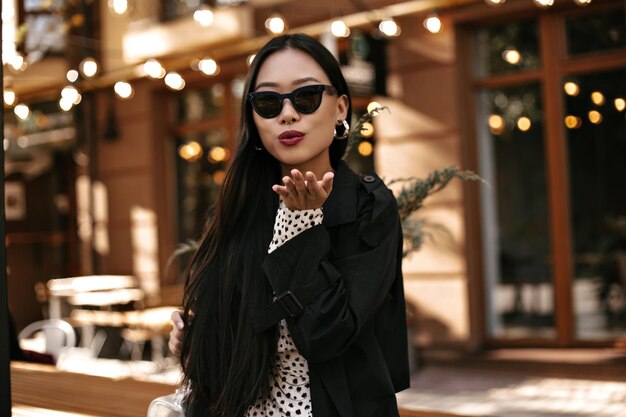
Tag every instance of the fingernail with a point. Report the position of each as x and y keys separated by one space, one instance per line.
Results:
x=180 y=324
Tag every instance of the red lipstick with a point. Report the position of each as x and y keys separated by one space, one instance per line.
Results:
x=290 y=137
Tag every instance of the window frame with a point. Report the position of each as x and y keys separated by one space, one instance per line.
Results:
x=555 y=65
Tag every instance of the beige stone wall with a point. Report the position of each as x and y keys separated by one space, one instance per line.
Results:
x=420 y=134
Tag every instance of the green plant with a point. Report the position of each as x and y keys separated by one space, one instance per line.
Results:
x=411 y=196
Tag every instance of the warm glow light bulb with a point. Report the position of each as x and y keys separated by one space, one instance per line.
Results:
x=154 y=69
x=218 y=154
x=339 y=29
x=118 y=6
x=123 y=89
x=595 y=117
x=190 y=151
x=496 y=124
x=203 y=16
x=9 y=97
x=573 y=122
x=65 y=104
x=389 y=27
x=544 y=3
x=88 y=67
x=18 y=63
x=523 y=123
x=620 y=104
x=367 y=129
x=174 y=81
x=365 y=149
x=72 y=75
x=597 y=98
x=208 y=66
x=582 y=2
x=433 y=24
x=571 y=88
x=71 y=94
x=494 y=2
x=275 y=24
x=22 y=111
x=373 y=106
x=512 y=56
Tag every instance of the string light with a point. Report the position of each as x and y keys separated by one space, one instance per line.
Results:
x=433 y=24
x=275 y=24
x=17 y=62
x=9 y=97
x=582 y=2
x=88 y=67
x=389 y=27
x=573 y=122
x=373 y=106
x=191 y=151
x=71 y=94
x=218 y=154
x=512 y=56
x=494 y=2
x=123 y=90
x=544 y=3
x=65 y=104
x=571 y=88
x=365 y=149
x=22 y=111
x=174 y=81
x=523 y=123
x=620 y=104
x=595 y=117
x=496 y=124
x=72 y=75
x=339 y=29
x=208 y=66
x=367 y=130
x=119 y=7
x=597 y=98
x=154 y=69
x=203 y=16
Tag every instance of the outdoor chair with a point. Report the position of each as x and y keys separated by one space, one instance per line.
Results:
x=58 y=334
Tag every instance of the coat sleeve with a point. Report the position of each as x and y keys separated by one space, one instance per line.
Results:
x=356 y=285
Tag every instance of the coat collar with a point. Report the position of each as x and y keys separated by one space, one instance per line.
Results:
x=340 y=206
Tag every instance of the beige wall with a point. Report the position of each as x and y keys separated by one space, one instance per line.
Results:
x=419 y=135
x=129 y=169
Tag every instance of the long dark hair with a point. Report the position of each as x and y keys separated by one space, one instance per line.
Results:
x=226 y=365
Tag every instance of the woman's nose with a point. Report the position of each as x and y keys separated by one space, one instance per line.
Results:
x=288 y=114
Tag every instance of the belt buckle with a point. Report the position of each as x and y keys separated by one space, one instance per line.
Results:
x=288 y=301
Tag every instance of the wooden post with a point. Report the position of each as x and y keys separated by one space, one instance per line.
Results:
x=5 y=355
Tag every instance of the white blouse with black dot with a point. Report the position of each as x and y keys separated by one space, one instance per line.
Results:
x=290 y=395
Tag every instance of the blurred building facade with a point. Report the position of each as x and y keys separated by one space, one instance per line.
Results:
x=528 y=95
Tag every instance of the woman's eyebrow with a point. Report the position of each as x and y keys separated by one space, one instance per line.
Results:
x=296 y=82
x=305 y=79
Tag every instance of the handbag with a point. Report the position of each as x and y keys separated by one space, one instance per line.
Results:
x=168 y=405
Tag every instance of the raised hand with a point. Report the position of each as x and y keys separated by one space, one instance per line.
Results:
x=303 y=192
x=177 y=333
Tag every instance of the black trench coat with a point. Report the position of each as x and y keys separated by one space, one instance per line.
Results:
x=347 y=314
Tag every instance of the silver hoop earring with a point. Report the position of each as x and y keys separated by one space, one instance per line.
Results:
x=346 y=130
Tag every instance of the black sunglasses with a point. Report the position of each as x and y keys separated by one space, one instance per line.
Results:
x=305 y=100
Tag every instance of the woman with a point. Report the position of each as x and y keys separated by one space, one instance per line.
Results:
x=315 y=325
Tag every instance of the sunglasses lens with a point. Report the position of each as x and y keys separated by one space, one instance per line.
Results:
x=267 y=104
x=307 y=99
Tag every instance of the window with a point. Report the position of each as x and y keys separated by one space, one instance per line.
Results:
x=550 y=138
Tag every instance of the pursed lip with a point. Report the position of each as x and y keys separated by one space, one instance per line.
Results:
x=290 y=137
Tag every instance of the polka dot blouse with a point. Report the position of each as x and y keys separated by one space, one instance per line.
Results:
x=290 y=394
